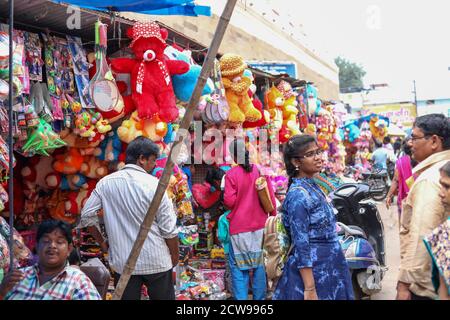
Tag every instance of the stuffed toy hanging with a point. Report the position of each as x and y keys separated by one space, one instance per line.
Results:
x=290 y=111
x=236 y=89
x=152 y=90
x=184 y=84
x=265 y=118
x=66 y=182
x=110 y=148
x=275 y=101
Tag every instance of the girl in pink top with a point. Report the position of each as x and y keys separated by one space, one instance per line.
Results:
x=247 y=220
x=241 y=198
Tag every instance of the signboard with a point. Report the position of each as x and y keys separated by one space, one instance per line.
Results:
x=401 y=114
x=275 y=67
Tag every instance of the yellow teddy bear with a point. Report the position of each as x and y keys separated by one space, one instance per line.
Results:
x=236 y=89
x=130 y=129
x=275 y=101
x=289 y=108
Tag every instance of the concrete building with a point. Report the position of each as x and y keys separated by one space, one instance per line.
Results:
x=441 y=105
x=257 y=38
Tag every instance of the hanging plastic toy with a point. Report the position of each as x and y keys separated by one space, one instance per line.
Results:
x=43 y=140
x=188 y=235
x=102 y=87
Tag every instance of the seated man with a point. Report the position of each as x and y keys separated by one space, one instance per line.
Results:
x=52 y=278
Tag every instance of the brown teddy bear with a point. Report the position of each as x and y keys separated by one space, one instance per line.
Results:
x=236 y=87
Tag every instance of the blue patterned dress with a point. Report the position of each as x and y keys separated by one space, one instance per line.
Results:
x=310 y=220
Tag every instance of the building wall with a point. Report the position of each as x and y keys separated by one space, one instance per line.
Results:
x=253 y=38
x=434 y=106
x=401 y=114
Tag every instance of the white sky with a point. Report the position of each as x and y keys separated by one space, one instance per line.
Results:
x=395 y=40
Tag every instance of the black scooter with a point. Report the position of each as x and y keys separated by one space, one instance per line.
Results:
x=361 y=234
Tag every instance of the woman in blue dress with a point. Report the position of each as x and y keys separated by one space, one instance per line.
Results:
x=316 y=268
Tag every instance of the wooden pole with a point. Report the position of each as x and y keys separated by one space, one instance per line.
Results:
x=185 y=123
x=10 y=136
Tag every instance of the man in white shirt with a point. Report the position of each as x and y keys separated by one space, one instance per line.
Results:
x=125 y=197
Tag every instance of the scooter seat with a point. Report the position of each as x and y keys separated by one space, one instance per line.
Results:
x=352 y=230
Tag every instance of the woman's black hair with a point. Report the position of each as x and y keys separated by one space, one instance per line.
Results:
x=214 y=174
x=408 y=151
x=49 y=226
x=406 y=147
x=446 y=169
x=140 y=146
x=293 y=148
x=238 y=146
x=435 y=124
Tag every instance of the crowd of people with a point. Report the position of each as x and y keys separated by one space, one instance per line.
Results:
x=315 y=268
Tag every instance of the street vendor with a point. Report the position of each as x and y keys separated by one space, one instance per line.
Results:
x=52 y=278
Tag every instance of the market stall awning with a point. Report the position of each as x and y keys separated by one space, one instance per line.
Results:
x=153 y=7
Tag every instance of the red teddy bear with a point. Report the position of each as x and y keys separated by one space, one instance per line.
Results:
x=152 y=90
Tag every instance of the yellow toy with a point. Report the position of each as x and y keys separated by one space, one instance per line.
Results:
x=290 y=110
x=236 y=89
x=378 y=127
x=275 y=101
x=130 y=129
x=311 y=129
x=154 y=129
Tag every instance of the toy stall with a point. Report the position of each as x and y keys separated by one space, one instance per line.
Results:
x=359 y=136
x=79 y=97
x=74 y=112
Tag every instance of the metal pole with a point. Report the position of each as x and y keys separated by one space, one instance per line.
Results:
x=163 y=182
x=415 y=98
x=10 y=137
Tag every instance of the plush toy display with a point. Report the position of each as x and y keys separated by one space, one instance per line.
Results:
x=289 y=108
x=313 y=102
x=76 y=199
x=275 y=101
x=94 y=168
x=152 y=90
x=155 y=129
x=130 y=129
x=378 y=127
x=73 y=140
x=184 y=84
x=265 y=118
x=236 y=89
x=69 y=162
x=66 y=182
x=110 y=148
x=134 y=127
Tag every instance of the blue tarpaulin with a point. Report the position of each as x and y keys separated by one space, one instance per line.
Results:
x=367 y=118
x=154 y=7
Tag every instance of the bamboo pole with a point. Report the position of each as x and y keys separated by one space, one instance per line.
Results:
x=163 y=182
x=10 y=137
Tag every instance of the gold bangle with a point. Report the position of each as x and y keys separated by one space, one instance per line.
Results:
x=310 y=289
